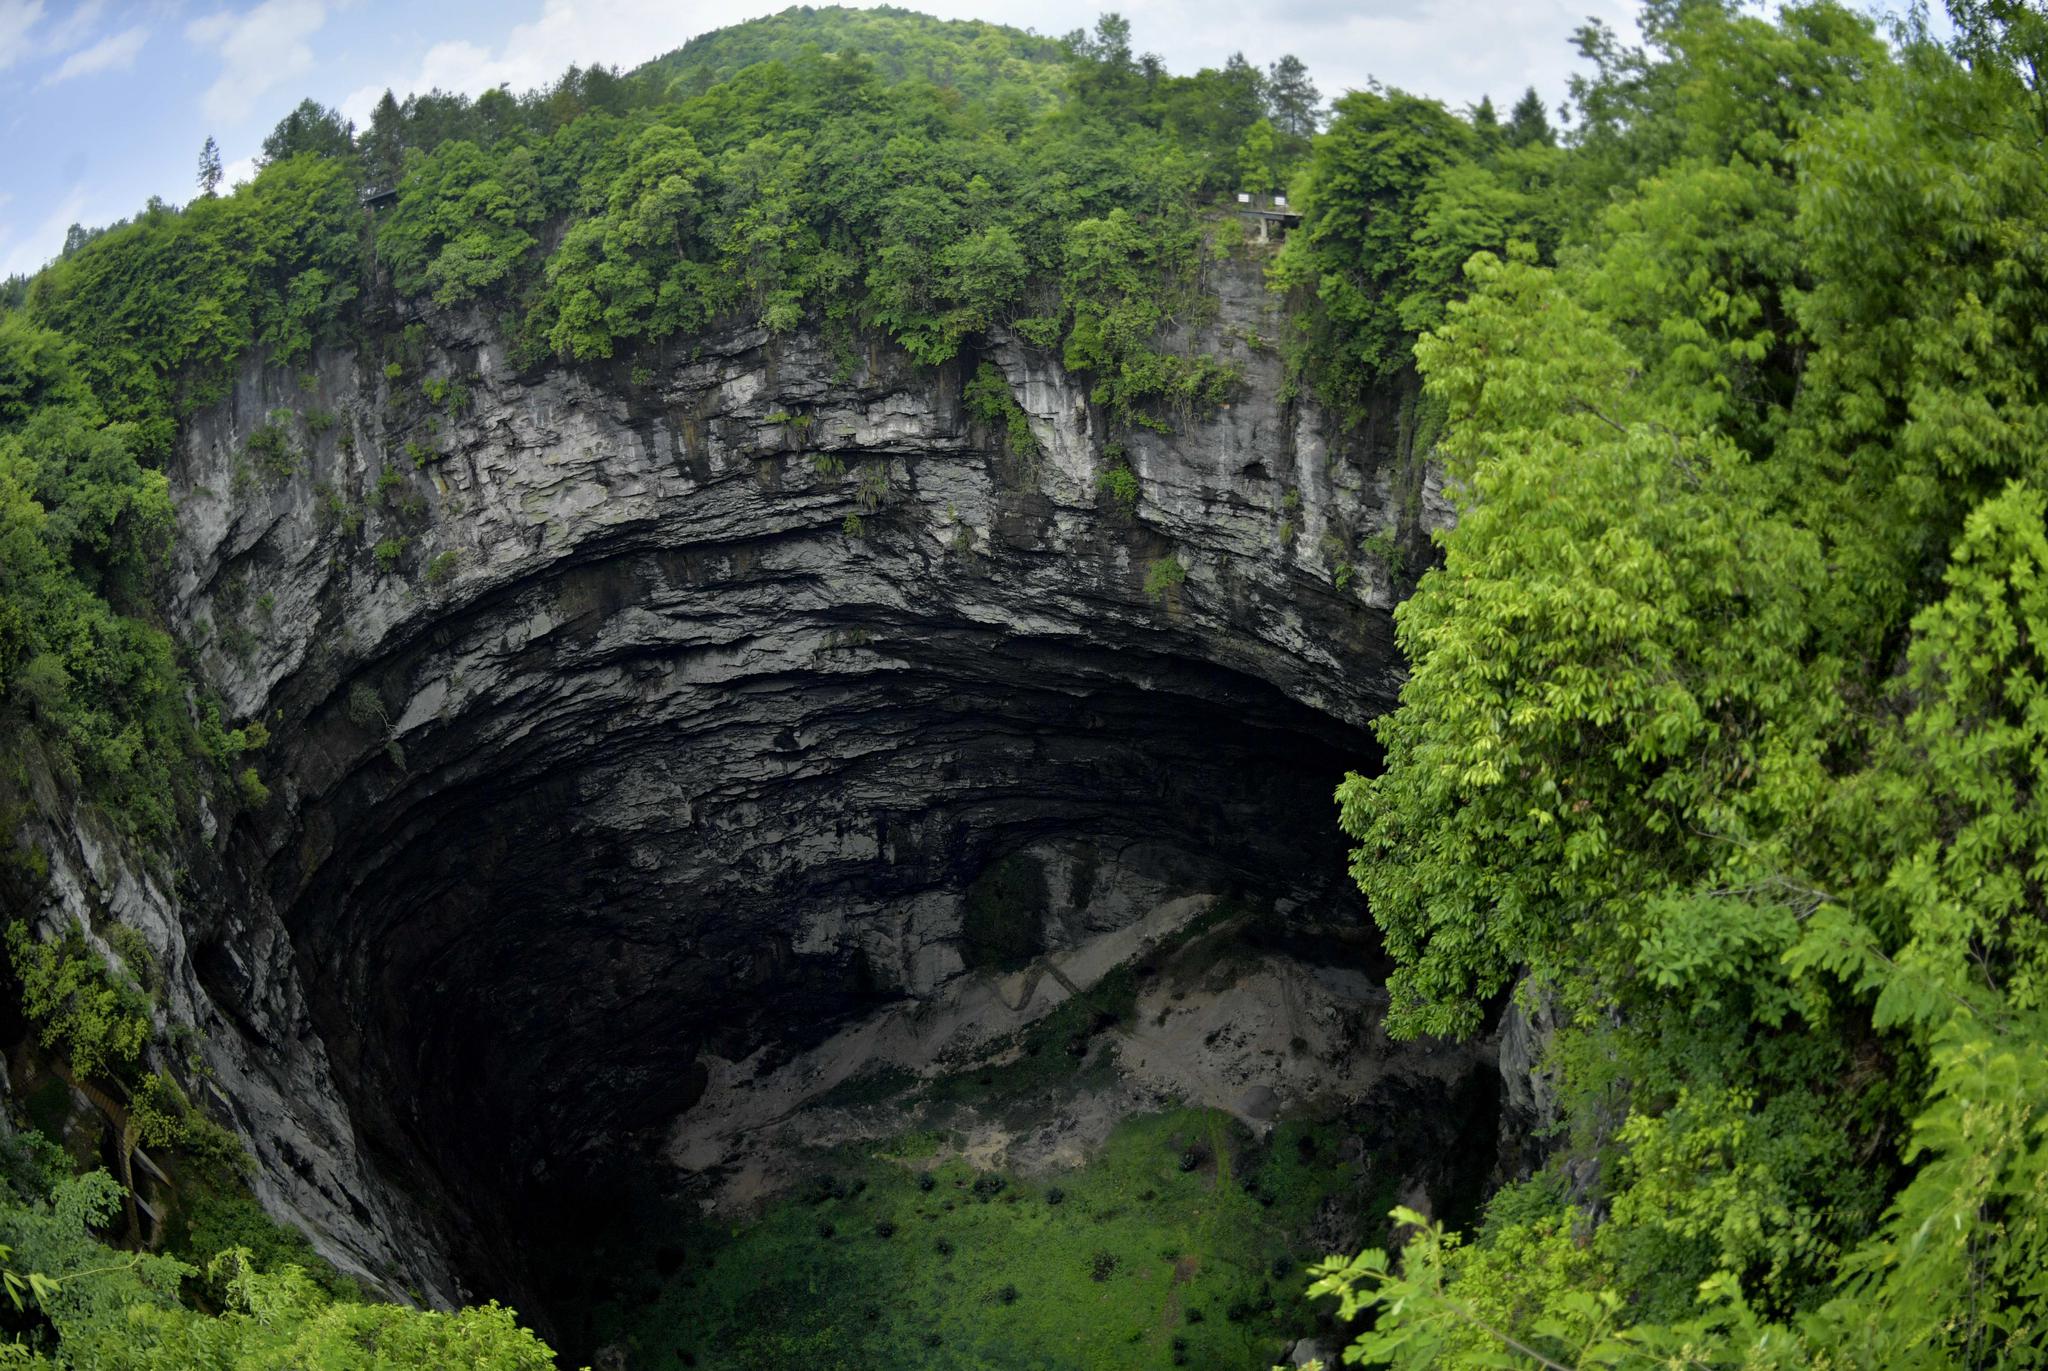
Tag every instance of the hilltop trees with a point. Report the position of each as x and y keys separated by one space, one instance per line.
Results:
x=311 y=128
x=1361 y=207
x=1292 y=101
x=1527 y=123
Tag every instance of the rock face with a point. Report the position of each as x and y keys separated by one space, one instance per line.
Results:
x=621 y=716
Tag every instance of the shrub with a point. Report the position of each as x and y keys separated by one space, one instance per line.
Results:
x=825 y=1186
x=137 y=955
x=988 y=399
x=874 y=489
x=250 y=789
x=1165 y=575
x=1382 y=547
x=366 y=708
x=1120 y=484
x=99 y=1021
x=271 y=445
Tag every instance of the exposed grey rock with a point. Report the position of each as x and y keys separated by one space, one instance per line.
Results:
x=262 y=1064
x=683 y=702
x=1311 y=1352
x=1529 y=1111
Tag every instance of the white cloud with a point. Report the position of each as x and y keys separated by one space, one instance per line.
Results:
x=115 y=53
x=260 y=49
x=586 y=32
x=235 y=173
x=75 y=26
x=28 y=252
x=1456 y=50
x=17 y=17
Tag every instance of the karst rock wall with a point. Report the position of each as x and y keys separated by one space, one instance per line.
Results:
x=601 y=733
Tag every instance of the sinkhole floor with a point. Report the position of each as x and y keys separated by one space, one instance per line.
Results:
x=1183 y=1242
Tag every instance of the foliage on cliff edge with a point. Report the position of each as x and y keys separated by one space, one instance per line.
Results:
x=1728 y=725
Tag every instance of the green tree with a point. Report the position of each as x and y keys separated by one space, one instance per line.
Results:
x=1292 y=101
x=1259 y=159
x=382 y=145
x=311 y=128
x=103 y=1308
x=464 y=222
x=1527 y=122
x=100 y=1022
x=209 y=168
x=626 y=272
x=1360 y=214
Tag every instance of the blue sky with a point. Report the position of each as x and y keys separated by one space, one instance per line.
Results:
x=104 y=103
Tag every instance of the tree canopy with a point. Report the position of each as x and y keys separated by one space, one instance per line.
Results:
x=1723 y=731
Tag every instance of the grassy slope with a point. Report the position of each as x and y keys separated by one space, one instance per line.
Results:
x=1182 y=1243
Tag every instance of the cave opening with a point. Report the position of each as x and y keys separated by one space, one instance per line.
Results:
x=536 y=919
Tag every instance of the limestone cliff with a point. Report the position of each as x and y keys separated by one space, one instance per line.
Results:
x=622 y=712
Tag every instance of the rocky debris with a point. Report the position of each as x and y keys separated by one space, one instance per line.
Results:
x=1258 y=1035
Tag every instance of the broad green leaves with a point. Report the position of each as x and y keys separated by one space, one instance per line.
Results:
x=1600 y=666
x=97 y=1307
x=1728 y=720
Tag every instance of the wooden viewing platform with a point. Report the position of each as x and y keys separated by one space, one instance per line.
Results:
x=1270 y=215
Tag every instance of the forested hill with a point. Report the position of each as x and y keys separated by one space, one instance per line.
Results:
x=1725 y=748
x=977 y=59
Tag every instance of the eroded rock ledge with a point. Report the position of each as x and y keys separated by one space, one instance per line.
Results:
x=603 y=736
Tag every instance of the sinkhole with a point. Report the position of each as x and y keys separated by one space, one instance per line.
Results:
x=534 y=918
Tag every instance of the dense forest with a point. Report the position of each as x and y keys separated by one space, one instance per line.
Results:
x=1726 y=736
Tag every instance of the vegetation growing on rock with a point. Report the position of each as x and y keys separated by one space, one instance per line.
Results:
x=1725 y=732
